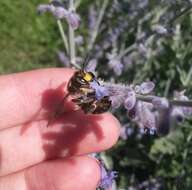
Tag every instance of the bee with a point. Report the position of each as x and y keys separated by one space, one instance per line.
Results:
x=85 y=95
x=85 y=90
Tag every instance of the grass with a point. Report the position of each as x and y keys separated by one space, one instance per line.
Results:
x=27 y=40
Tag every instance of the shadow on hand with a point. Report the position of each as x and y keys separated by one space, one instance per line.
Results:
x=50 y=102
x=63 y=135
x=67 y=129
x=67 y=132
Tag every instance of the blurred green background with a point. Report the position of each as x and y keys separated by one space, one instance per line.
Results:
x=29 y=41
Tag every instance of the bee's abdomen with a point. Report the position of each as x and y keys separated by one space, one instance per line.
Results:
x=102 y=105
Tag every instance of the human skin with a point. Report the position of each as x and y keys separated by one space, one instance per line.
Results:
x=34 y=156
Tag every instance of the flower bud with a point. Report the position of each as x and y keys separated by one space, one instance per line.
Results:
x=130 y=100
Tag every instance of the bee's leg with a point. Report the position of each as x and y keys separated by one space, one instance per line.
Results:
x=83 y=100
x=85 y=103
x=102 y=105
x=89 y=108
x=57 y=110
x=92 y=108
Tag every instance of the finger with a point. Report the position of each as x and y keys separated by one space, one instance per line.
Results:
x=74 y=134
x=79 y=173
x=27 y=96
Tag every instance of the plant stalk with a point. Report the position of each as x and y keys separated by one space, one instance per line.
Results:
x=64 y=38
x=72 y=39
x=97 y=25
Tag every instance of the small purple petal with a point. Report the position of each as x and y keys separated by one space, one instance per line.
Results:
x=73 y=19
x=125 y=132
x=107 y=177
x=147 y=87
x=92 y=17
x=63 y=59
x=127 y=60
x=160 y=29
x=130 y=100
x=187 y=111
x=137 y=89
x=44 y=8
x=152 y=131
x=142 y=130
x=116 y=101
x=118 y=69
x=60 y=13
x=145 y=116
x=100 y=91
x=79 y=40
x=115 y=64
x=142 y=49
x=91 y=65
x=160 y=103
x=177 y=114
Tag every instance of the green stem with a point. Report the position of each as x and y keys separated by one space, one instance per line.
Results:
x=149 y=99
x=127 y=50
x=77 y=3
x=188 y=78
x=97 y=25
x=122 y=90
x=183 y=12
x=168 y=85
x=72 y=40
x=64 y=38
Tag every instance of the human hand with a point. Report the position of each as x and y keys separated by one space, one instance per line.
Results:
x=26 y=144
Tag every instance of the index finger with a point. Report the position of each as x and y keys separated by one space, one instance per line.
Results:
x=30 y=95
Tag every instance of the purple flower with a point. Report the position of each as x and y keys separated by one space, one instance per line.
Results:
x=142 y=49
x=115 y=64
x=63 y=59
x=177 y=114
x=143 y=116
x=187 y=111
x=130 y=101
x=45 y=8
x=107 y=177
x=146 y=87
x=100 y=90
x=73 y=19
x=79 y=40
x=160 y=103
x=125 y=132
x=160 y=29
x=92 y=17
x=117 y=93
x=127 y=60
x=152 y=131
x=59 y=12
x=91 y=66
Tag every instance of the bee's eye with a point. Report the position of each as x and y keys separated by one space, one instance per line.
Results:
x=82 y=80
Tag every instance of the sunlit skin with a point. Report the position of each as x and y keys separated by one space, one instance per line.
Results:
x=34 y=157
